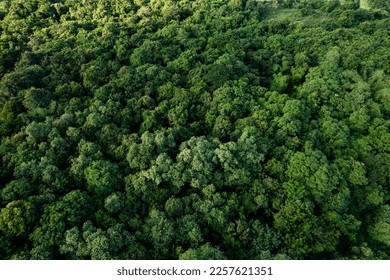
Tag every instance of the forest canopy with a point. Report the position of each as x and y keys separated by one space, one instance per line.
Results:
x=178 y=129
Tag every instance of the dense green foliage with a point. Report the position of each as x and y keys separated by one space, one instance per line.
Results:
x=178 y=129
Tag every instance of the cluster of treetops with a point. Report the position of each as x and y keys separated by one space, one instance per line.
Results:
x=179 y=129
